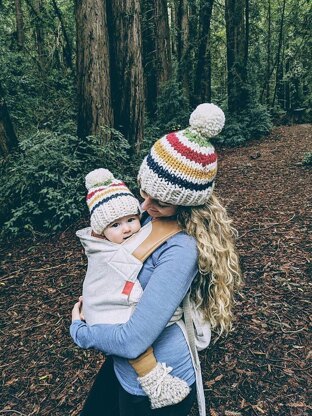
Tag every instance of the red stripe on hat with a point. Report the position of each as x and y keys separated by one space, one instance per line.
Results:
x=90 y=195
x=190 y=153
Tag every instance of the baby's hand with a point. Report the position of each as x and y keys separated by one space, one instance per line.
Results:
x=77 y=311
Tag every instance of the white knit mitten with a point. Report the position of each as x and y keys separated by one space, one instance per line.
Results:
x=163 y=389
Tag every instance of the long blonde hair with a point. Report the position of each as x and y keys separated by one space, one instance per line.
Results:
x=218 y=264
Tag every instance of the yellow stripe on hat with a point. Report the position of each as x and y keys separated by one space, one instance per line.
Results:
x=178 y=165
x=106 y=192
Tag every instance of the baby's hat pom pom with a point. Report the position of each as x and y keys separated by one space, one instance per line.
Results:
x=99 y=177
x=207 y=119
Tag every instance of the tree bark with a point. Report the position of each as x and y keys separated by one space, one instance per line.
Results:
x=148 y=57
x=8 y=139
x=183 y=45
x=279 y=50
x=93 y=68
x=266 y=86
x=247 y=33
x=172 y=26
x=127 y=69
x=19 y=24
x=68 y=44
x=236 y=55
x=202 y=81
x=39 y=33
x=162 y=43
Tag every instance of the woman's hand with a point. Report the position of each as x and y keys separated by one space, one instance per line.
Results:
x=77 y=311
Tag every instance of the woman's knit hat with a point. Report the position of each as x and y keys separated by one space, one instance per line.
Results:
x=108 y=199
x=181 y=167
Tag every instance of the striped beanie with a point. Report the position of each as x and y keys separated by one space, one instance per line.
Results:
x=181 y=167
x=108 y=199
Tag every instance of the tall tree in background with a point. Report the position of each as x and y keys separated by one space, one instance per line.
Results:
x=266 y=86
x=93 y=67
x=202 y=79
x=148 y=57
x=279 y=67
x=8 y=139
x=19 y=24
x=127 y=69
x=237 y=57
x=67 y=41
x=162 y=43
x=157 y=54
x=183 y=45
x=37 y=9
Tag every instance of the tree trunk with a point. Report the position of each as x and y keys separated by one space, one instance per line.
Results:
x=247 y=34
x=39 y=33
x=236 y=55
x=8 y=139
x=162 y=43
x=19 y=24
x=127 y=69
x=172 y=26
x=202 y=81
x=266 y=87
x=183 y=45
x=279 y=50
x=93 y=68
x=148 y=57
x=68 y=43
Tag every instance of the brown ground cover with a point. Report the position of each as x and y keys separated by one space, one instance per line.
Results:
x=262 y=368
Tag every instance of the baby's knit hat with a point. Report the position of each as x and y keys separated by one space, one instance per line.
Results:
x=181 y=167
x=108 y=199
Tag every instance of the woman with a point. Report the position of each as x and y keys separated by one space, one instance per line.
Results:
x=176 y=180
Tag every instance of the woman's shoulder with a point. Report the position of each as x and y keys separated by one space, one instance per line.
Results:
x=180 y=244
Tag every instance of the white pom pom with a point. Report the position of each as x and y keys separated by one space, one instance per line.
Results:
x=98 y=176
x=207 y=119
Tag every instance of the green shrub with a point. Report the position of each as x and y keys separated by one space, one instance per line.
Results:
x=42 y=186
x=251 y=124
x=233 y=133
x=258 y=121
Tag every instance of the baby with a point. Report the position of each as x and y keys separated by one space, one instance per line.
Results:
x=111 y=289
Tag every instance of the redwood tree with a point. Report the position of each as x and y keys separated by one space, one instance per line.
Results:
x=183 y=44
x=236 y=39
x=39 y=33
x=67 y=40
x=127 y=69
x=202 y=81
x=93 y=67
x=157 y=56
x=19 y=24
x=162 y=41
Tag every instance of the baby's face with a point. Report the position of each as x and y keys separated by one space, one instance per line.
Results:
x=123 y=228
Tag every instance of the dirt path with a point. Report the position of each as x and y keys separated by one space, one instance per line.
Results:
x=260 y=369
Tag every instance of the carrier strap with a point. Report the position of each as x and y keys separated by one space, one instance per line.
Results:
x=162 y=229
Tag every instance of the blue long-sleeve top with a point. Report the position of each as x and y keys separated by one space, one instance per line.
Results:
x=165 y=277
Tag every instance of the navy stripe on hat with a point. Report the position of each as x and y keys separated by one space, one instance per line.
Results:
x=116 y=195
x=175 y=180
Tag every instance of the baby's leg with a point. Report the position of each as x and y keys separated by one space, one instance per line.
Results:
x=162 y=388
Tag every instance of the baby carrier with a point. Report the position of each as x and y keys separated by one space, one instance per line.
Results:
x=111 y=289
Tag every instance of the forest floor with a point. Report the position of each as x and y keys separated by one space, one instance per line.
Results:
x=262 y=368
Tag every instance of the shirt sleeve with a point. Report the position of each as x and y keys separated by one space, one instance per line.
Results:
x=175 y=268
